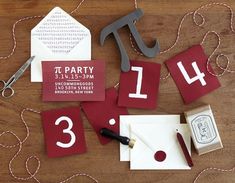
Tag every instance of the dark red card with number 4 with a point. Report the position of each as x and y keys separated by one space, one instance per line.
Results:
x=63 y=132
x=139 y=87
x=73 y=80
x=104 y=114
x=188 y=69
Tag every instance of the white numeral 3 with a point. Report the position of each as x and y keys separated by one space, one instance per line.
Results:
x=200 y=75
x=67 y=130
x=139 y=84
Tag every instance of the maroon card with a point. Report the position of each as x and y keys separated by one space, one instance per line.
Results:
x=63 y=132
x=188 y=69
x=73 y=80
x=139 y=87
x=104 y=114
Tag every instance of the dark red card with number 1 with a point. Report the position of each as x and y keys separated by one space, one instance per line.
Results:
x=73 y=80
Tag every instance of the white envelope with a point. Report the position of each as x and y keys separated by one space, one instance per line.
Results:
x=58 y=37
x=151 y=138
x=126 y=120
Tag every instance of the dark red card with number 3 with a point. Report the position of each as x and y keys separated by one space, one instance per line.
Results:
x=63 y=132
x=73 y=80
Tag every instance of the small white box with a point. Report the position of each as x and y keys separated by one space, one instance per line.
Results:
x=203 y=128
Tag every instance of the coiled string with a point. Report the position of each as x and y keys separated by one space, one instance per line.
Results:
x=194 y=14
x=26 y=19
x=201 y=23
x=19 y=144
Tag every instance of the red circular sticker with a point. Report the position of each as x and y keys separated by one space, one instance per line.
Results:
x=160 y=156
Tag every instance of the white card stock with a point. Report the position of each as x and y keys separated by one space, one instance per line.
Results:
x=158 y=138
x=126 y=120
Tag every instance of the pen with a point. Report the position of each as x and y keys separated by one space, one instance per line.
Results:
x=185 y=150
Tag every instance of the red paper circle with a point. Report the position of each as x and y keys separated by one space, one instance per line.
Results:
x=160 y=156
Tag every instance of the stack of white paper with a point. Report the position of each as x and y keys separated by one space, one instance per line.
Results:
x=154 y=133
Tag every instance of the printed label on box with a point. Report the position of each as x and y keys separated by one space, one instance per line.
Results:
x=204 y=129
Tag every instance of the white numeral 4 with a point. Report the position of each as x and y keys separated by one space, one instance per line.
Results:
x=200 y=75
x=137 y=94
x=67 y=130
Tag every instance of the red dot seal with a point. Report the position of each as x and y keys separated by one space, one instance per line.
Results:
x=160 y=156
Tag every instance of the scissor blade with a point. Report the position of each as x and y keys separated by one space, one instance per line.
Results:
x=24 y=67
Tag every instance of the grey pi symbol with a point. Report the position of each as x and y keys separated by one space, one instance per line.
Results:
x=128 y=20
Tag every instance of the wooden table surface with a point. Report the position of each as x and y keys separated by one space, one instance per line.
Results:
x=160 y=21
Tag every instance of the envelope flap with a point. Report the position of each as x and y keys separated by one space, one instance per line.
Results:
x=126 y=120
x=159 y=135
x=155 y=138
x=60 y=32
x=83 y=46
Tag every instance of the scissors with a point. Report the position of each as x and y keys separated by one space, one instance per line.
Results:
x=6 y=88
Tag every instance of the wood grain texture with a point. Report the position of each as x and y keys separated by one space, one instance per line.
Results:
x=160 y=21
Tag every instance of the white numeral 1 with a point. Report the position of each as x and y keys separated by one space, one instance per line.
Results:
x=200 y=75
x=139 y=84
x=67 y=130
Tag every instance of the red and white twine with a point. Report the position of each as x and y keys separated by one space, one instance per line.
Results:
x=213 y=169
x=200 y=24
x=25 y=19
x=19 y=144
